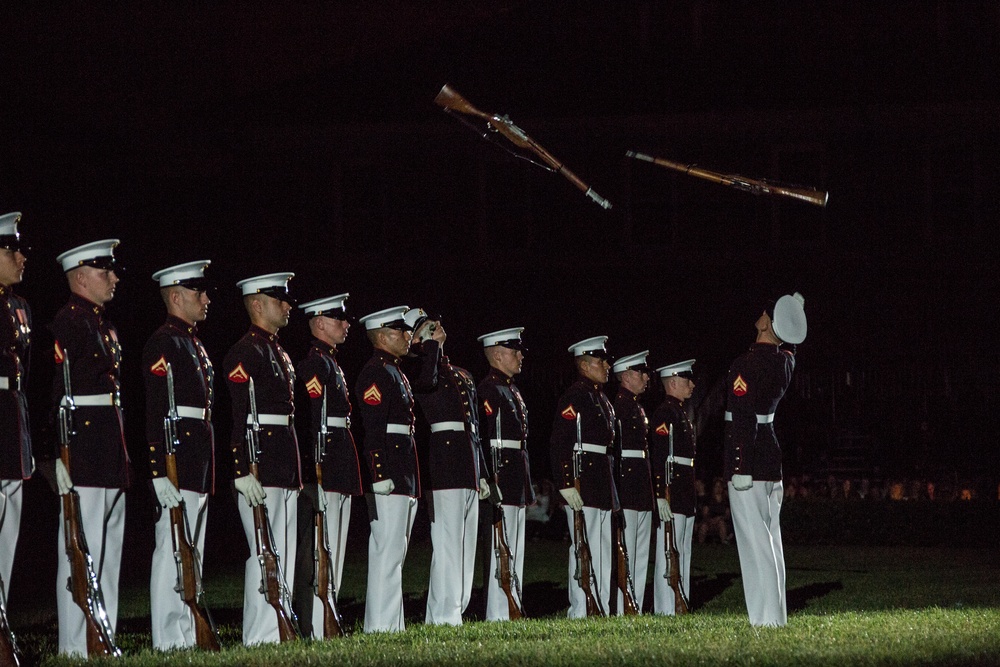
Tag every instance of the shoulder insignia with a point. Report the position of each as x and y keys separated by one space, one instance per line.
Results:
x=662 y=429
x=159 y=368
x=739 y=386
x=372 y=395
x=487 y=407
x=238 y=374
x=59 y=353
x=315 y=387
x=568 y=413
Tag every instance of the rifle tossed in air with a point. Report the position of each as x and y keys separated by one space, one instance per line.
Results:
x=755 y=186
x=451 y=101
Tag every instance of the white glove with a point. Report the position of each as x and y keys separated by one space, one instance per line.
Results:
x=63 y=482
x=742 y=482
x=251 y=489
x=664 y=508
x=384 y=487
x=484 y=489
x=573 y=498
x=166 y=492
x=322 y=497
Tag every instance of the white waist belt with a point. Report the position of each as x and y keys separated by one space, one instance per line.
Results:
x=506 y=444
x=683 y=460
x=338 y=422
x=95 y=400
x=194 y=413
x=5 y=383
x=270 y=420
x=447 y=426
x=761 y=419
x=399 y=429
x=595 y=449
x=633 y=454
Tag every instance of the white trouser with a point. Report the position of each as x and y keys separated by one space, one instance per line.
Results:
x=496 y=599
x=599 y=536
x=453 y=561
x=11 y=498
x=260 y=621
x=103 y=524
x=390 y=537
x=636 y=538
x=762 y=560
x=663 y=594
x=172 y=620
x=338 y=519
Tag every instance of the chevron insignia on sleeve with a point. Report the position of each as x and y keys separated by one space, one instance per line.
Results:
x=487 y=408
x=59 y=353
x=314 y=387
x=372 y=395
x=662 y=429
x=238 y=374
x=739 y=386
x=568 y=413
x=159 y=368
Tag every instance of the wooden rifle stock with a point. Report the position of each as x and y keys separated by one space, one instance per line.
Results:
x=584 y=565
x=625 y=584
x=272 y=579
x=505 y=574
x=189 y=571
x=450 y=100
x=10 y=654
x=673 y=569
x=751 y=185
x=185 y=553
x=324 y=587
x=82 y=584
x=272 y=582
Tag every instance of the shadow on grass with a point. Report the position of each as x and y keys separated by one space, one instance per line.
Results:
x=798 y=598
x=705 y=589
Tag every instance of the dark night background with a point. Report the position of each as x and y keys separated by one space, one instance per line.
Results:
x=305 y=139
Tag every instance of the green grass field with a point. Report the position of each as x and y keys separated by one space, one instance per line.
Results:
x=848 y=606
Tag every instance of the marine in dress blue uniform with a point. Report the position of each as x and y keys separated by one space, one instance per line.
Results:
x=756 y=382
x=259 y=355
x=671 y=424
x=456 y=474
x=598 y=496
x=16 y=460
x=184 y=290
x=390 y=453
x=503 y=424
x=99 y=462
x=321 y=379
x=635 y=491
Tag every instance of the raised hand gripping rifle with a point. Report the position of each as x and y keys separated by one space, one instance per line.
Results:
x=752 y=185
x=451 y=101
x=506 y=572
x=186 y=556
x=272 y=579
x=324 y=587
x=83 y=583
x=624 y=578
x=584 y=574
x=672 y=572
